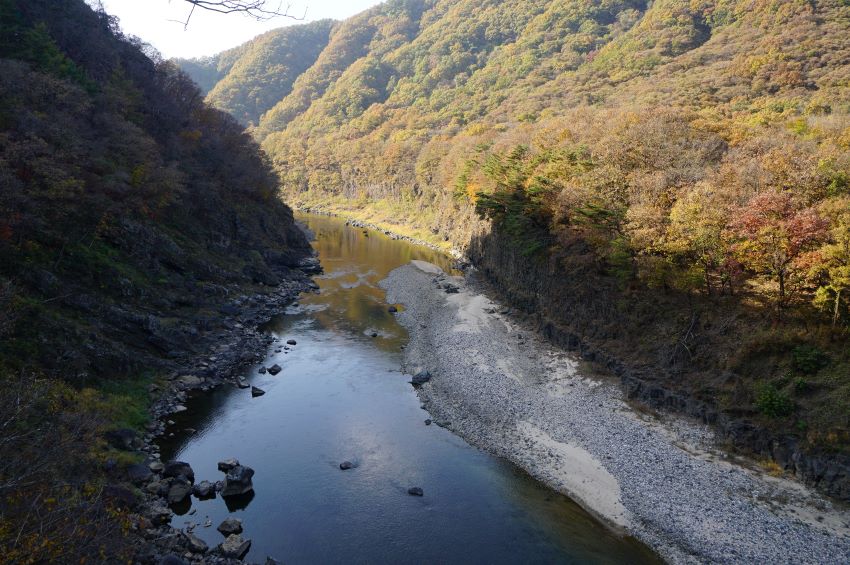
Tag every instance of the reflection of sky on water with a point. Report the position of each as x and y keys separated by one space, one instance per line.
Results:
x=341 y=397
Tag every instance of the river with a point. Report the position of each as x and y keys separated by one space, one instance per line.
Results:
x=342 y=397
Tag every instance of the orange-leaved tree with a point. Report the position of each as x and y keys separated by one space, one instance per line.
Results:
x=774 y=234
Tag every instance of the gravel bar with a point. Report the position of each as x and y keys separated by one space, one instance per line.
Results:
x=505 y=390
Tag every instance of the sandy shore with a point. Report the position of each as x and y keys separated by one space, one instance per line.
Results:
x=504 y=390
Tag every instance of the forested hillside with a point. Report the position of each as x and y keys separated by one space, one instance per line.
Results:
x=250 y=79
x=130 y=213
x=664 y=185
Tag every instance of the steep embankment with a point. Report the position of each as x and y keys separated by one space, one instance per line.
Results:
x=135 y=223
x=664 y=185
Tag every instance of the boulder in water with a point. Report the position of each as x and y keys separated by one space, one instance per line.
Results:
x=238 y=481
x=230 y=526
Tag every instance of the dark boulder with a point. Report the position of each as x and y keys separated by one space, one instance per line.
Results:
x=179 y=469
x=291 y=342
x=179 y=491
x=204 y=489
x=238 y=481
x=421 y=378
x=234 y=547
x=194 y=543
x=172 y=560
x=415 y=491
x=227 y=464
x=346 y=465
x=158 y=515
x=275 y=369
x=255 y=392
x=230 y=527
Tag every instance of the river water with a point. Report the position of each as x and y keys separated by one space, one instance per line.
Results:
x=341 y=397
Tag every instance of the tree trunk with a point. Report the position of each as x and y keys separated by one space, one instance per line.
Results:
x=837 y=306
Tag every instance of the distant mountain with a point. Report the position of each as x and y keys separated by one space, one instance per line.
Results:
x=250 y=79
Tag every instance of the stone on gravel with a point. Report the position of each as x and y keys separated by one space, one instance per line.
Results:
x=421 y=378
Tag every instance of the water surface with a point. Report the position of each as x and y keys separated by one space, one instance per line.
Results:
x=342 y=397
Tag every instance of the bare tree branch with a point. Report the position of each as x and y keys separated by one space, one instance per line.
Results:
x=257 y=9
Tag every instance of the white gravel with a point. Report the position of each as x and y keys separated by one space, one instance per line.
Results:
x=503 y=389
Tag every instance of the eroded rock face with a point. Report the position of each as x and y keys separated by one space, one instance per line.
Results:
x=235 y=547
x=238 y=481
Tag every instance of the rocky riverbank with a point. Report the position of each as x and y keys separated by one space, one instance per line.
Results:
x=502 y=388
x=164 y=484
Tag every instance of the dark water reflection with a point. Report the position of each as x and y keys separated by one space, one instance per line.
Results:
x=341 y=397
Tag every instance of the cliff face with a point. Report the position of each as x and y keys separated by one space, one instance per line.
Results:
x=131 y=211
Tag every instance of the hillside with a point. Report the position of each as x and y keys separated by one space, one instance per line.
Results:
x=250 y=79
x=132 y=216
x=664 y=186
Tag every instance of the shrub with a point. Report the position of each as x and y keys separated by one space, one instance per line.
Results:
x=809 y=360
x=772 y=402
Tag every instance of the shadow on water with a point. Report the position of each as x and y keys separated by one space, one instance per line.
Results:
x=341 y=397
